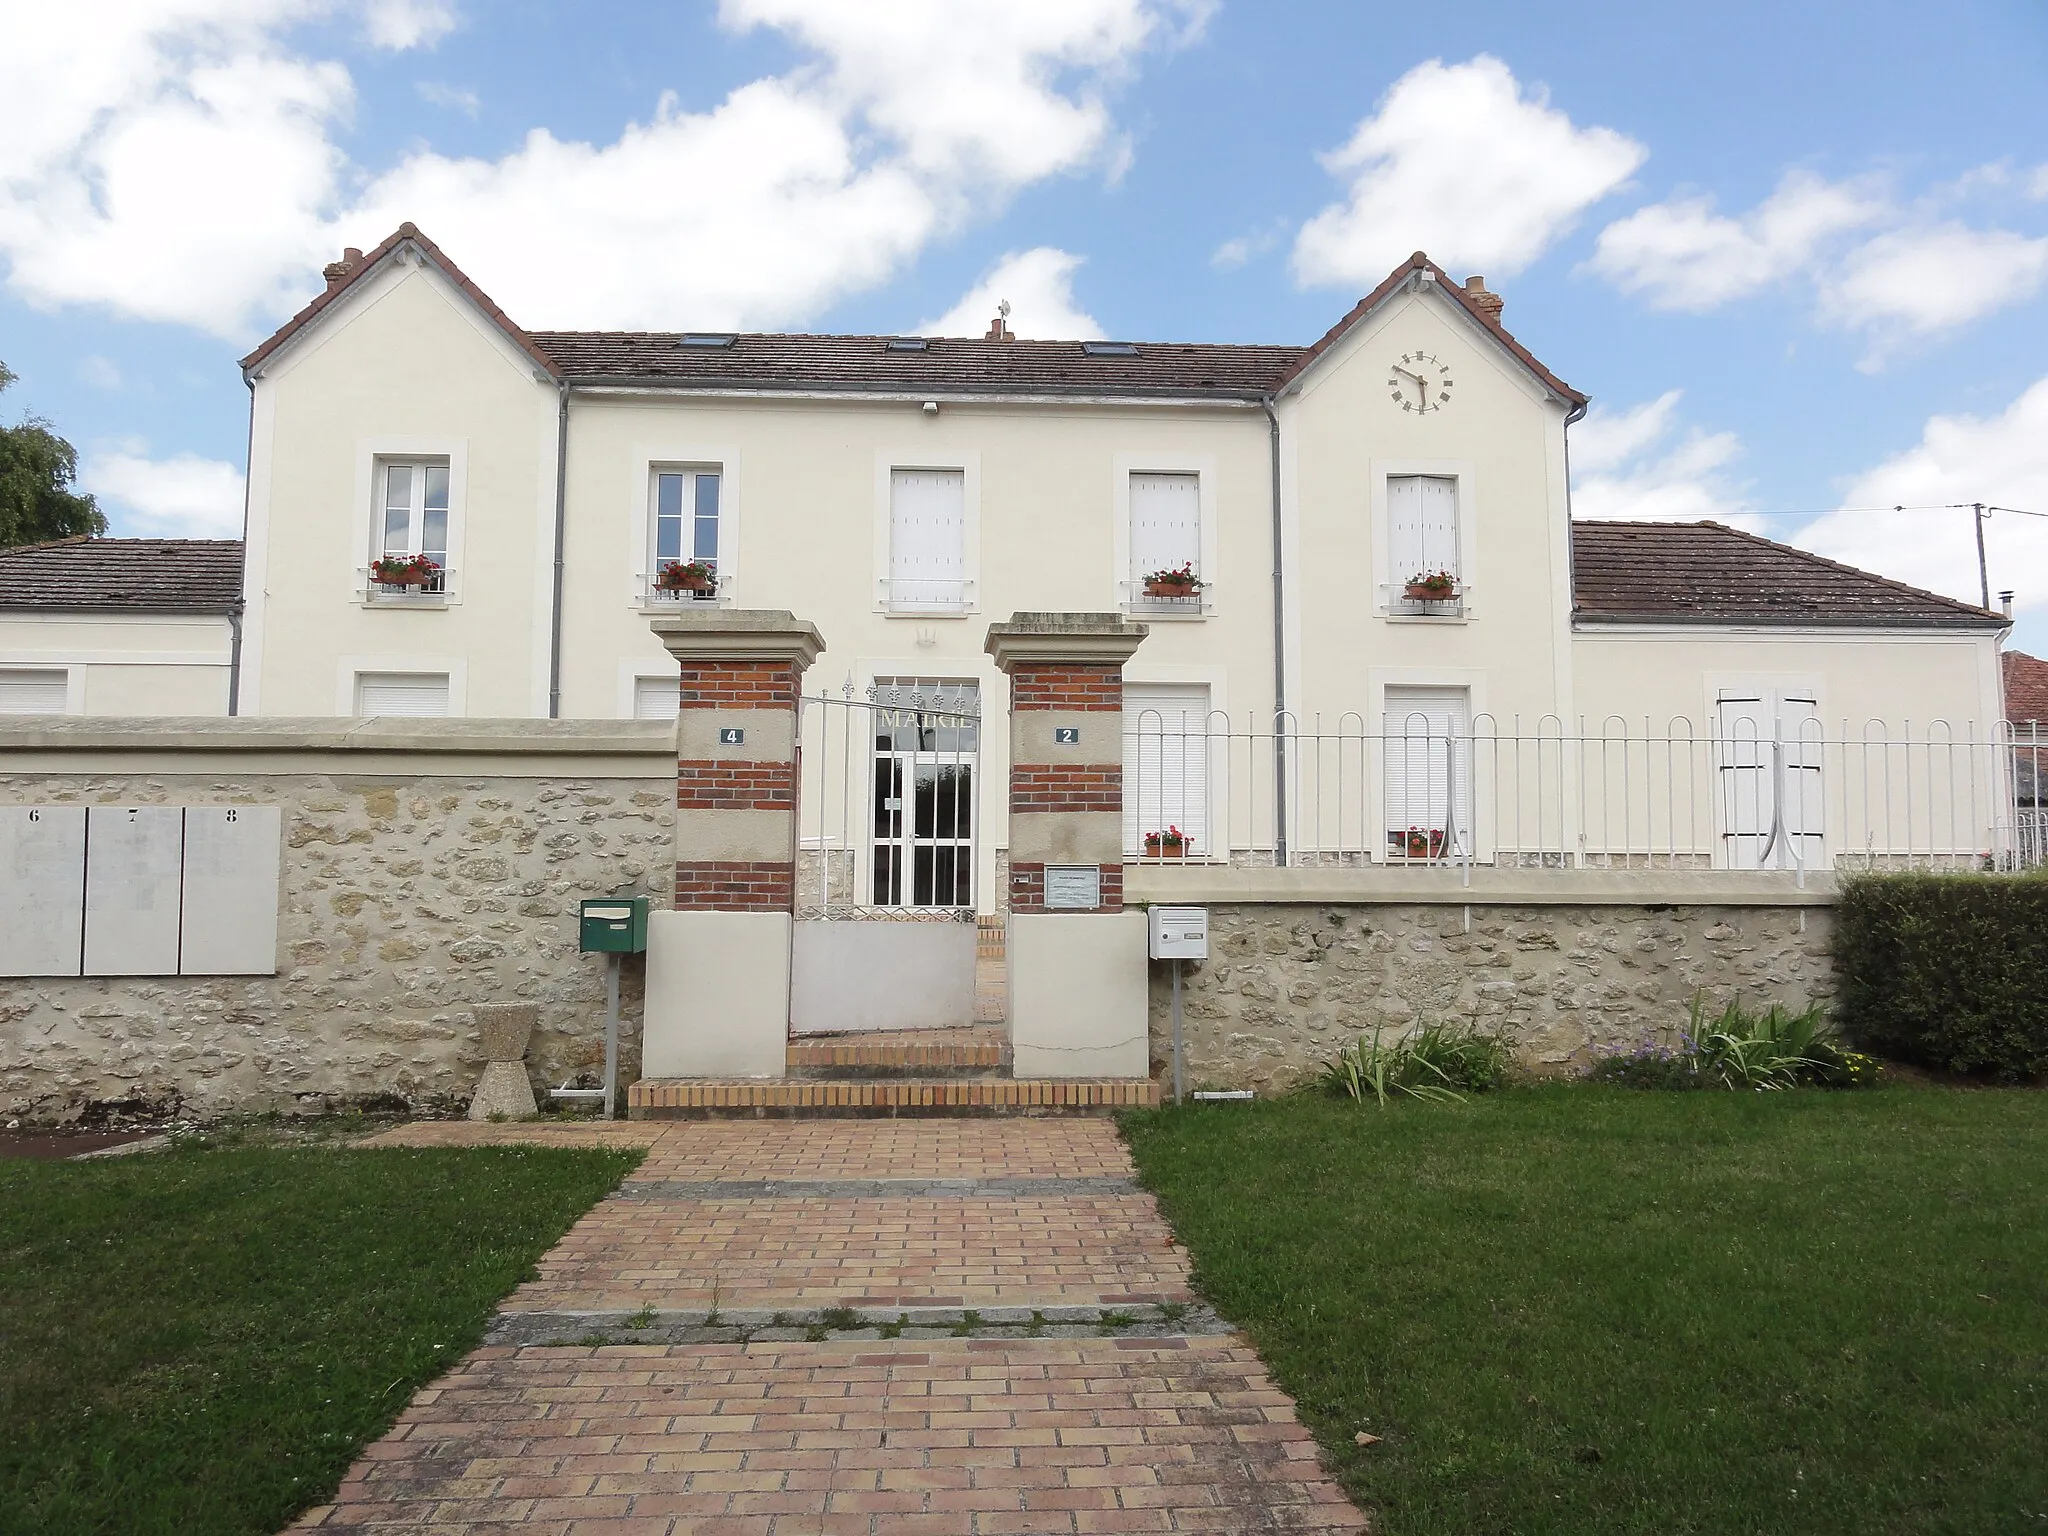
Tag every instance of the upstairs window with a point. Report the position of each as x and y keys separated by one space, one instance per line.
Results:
x=684 y=527
x=1166 y=536
x=1422 y=527
x=927 y=538
x=415 y=511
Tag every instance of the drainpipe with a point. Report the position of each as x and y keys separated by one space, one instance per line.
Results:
x=1279 y=649
x=234 y=660
x=561 y=535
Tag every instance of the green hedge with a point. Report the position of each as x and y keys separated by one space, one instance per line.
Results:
x=1949 y=971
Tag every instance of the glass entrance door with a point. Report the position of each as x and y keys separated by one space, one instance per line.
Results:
x=927 y=734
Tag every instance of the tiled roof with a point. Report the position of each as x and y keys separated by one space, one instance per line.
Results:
x=944 y=364
x=142 y=575
x=2026 y=687
x=1708 y=573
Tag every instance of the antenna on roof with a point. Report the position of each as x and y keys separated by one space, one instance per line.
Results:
x=997 y=330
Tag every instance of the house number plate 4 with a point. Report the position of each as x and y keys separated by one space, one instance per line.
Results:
x=1066 y=735
x=731 y=736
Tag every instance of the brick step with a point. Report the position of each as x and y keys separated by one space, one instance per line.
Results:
x=970 y=1052
x=711 y=1098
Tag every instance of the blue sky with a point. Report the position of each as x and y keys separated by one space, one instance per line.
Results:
x=1798 y=255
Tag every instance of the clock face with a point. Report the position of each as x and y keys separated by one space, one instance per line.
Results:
x=1419 y=382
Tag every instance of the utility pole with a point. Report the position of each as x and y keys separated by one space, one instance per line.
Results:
x=1977 y=515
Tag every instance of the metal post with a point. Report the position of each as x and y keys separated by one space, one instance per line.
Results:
x=611 y=1034
x=1179 y=1084
x=1983 y=569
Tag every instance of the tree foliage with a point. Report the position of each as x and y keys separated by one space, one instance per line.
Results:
x=37 y=468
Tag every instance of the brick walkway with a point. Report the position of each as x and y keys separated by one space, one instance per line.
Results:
x=968 y=1435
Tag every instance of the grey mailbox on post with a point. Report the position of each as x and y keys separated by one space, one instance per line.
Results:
x=1177 y=934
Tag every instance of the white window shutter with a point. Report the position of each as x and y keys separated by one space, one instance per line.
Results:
x=1752 y=782
x=1166 y=523
x=657 y=698
x=402 y=693
x=1166 y=764
x=927 y=535
x=1429 y=764
x=34 y=691
x=1422 y=526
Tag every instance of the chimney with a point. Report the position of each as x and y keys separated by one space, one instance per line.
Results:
x=1489 y=305
x=998 y=331
x=2005 y=602
x=337 y=272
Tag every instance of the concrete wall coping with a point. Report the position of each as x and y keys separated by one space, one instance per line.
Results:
x=1197 y=884
x=1051 y=639
x=740 y=634
x=498 y=738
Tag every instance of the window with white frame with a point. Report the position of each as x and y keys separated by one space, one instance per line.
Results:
x=1166 y=770
x=683 y=529
x=1428 y=752
x=1166 y=538
x=1422 y=528
x=34 y=690
x=402 y=693
x=657 y=698
x=412 y=519
x=927 y=538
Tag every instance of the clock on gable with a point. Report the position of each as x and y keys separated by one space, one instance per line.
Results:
x=1420 y=381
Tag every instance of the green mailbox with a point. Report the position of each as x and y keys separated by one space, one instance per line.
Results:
x=615 y=925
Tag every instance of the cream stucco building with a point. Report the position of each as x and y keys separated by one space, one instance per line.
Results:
x=902 y=493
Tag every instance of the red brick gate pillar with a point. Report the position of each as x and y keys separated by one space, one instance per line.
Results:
x=718 y=964
x=1077 y=1000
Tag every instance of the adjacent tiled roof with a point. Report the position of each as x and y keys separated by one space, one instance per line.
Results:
x=1708 y=573
x=945 y=365
x=141 y=575
x=2026 y=687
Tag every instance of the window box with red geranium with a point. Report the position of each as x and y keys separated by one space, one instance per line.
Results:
x=696 y=578
x=405 y=575
x=1170 y=844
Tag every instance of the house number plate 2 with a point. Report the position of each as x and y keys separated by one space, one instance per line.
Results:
x=731 y=736
x=1066 y=735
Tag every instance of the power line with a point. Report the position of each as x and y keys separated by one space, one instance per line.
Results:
x=1948 y=506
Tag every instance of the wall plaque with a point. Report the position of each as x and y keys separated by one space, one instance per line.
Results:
x=731 y=736
x=1066 y=735
x=1073 y=887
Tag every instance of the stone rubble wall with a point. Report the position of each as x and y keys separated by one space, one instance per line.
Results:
x=1287 y=986
x=405 y=902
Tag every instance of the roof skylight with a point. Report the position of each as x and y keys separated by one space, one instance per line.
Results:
x=707 y=339
x=908 y=344
x=1110 y=348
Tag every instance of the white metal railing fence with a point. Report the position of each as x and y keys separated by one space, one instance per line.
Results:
x=1793 y=795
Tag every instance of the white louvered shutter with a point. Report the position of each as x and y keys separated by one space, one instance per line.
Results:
x=1422 y=526
x=1429 y=764
x=927 y=535
x=657 y=698
x=34 y=691
x=1166 y=764
x=1166 y=524
x=402 y=693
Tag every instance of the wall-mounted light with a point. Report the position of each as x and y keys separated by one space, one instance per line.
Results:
x=931 y=407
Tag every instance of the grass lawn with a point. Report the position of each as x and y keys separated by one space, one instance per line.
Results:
x=199 y=1341
x=1584 y=1310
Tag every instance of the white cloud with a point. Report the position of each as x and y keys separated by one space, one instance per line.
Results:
x=1681 y=254
x=1235 y=252
x=402 y=24
x=184 y=166
x=2037 y=182
x=1457 y=160
x=1039 y=285
x=1625 y=465
x=183 y=496
x=99 y=372
x=2001 y=460
x=454 y=97
x=1925 y=279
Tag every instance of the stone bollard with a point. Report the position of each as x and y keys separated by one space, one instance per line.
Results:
x=504 y=1089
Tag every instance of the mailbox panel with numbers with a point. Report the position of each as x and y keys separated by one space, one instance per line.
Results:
x=614 y=925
